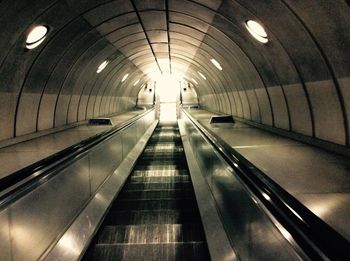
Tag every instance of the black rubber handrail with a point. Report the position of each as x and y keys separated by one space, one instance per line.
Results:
x=32 y=175
x=316 y=238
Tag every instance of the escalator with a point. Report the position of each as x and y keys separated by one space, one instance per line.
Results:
x=155 y=216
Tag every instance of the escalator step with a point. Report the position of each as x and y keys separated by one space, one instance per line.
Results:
x=171 y=135
x=165 y=139
x=138 y=217
x=159 y=173
x=161 y=162
x=170 y=154
x=157 y=179
x=154 y=204
x=196 y=251
x=161 y=157
x=164 y=131
x=176 y=155
x=161 y=167
x=164 y=147
x=149 y=251
x=153 y=233
x=158 y=185
x=156 y=194
x=167 y=128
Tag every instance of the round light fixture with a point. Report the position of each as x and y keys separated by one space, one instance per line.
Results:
x=125 y=76
x=202 y=75
x=257 y=31
x=195 y=81
x=102 y=66
x=136 y=82
x=217 y=64
x=36 y=36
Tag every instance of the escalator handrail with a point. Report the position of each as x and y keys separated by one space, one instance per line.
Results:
x=26 y=179
x=315 y=237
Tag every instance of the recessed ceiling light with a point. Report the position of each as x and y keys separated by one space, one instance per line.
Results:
x=36 y=36
x=257 y=31
x=202 y=75
x=125 y=76
x=217 y=64
x=102 y=66
x=194 y=81
x=136 y=82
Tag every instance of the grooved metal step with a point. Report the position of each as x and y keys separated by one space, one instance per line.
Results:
x=155 y=204
x=151 y=233
x=156 y=194
x=155 y=216
x=179 y=162
x=160 y=167
x=162 y=216
x=164 y=154
x=159 y=173
x=171 y=155
x=158 y=178
x=158 y=185
x=166 y=251
x=164 y=148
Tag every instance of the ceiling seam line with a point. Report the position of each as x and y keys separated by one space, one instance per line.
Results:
x=167 y=29
x=144 y=30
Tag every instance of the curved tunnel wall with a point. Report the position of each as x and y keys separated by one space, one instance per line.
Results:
x=297 y=82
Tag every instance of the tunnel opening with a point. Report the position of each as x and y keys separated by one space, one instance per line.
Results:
x=168 y=97
x=284 y=80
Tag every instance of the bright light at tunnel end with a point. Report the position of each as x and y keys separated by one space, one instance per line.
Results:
x=168 y=87
x=102 y=66
x=216 y=63
x=257 y=31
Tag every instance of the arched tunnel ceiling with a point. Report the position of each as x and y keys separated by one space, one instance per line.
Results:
x=298 y=81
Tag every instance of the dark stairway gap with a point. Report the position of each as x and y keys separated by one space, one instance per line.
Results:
x=155 y=216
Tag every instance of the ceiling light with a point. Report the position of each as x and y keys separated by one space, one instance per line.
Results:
x=257 y=31
x=102 y=66
x=36 y=36
x=136 y=82
x=125 y=76
x=217 y=64
x=202 y=75
x=194 y=81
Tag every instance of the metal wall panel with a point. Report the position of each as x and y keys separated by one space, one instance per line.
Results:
x=299 y=111
x=327 y=112
x=5 y=247
x=280 y=111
